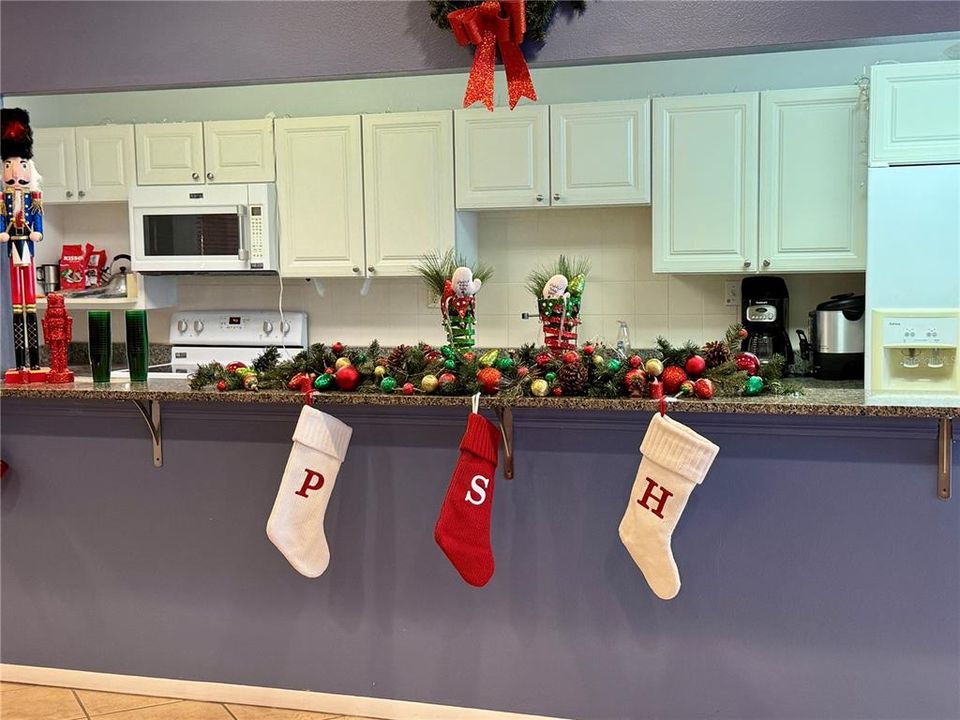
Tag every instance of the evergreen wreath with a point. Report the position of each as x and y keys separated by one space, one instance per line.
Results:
x=539 y=13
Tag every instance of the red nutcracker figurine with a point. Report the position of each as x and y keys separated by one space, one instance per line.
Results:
x=21 y=225
x=57 y=333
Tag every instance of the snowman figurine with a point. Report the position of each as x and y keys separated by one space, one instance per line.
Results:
x=556 y=288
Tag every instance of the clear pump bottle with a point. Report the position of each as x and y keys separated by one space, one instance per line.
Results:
x=623 y=339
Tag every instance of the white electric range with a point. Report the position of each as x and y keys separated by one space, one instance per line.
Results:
x=225 y=336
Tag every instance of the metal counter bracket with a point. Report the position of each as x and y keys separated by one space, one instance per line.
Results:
x=944 y=458
x=151 y=415
x=505 y=414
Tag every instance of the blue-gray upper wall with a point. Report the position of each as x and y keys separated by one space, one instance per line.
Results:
x=54 y=47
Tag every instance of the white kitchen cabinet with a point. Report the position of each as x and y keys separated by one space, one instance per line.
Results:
x=239 y=151
x=705 y=168
x=600 y=153
x=502 y=158
x=85 y=164
x=320 y=192
x=813 y=175
x=105 y=163
x=915 y=113
x=407 y=189
x=170 y=153
x=55 y=158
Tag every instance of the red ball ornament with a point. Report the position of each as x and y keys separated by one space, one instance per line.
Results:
x=672 y=377
x=523 y=371
x=748 y=362
x=337 y=347
x=347 y=378
x=468 y=356
x=557 y=391
x=543 y=359
x=695 y=365
x=570 y=357
x=588 y=349
x=635 y=377
x=234 y=366
x=635 y=361
x=407 y=388
x=742 y=333
x=329 y=371
x=703 y=388
x=221 y=385
x=489 y=380
x=447 y=378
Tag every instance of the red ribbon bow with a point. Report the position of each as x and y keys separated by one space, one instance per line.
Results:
x=484 y=26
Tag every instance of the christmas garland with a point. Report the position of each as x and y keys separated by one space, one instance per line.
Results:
x=539 y=13
x=592 y=370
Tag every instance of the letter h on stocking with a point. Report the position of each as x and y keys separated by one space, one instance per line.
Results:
x=660 y=501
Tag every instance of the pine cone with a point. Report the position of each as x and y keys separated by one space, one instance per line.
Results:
x=573 y=378
x=396 y=359
x=716 y=353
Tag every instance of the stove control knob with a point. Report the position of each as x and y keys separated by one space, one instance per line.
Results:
x=182 y=326
x=198 y=326
x=267 y=327
x=284 y=327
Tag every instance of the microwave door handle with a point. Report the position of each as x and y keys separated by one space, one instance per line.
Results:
x=242 y=254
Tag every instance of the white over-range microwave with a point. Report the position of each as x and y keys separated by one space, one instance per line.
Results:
x=210 y=228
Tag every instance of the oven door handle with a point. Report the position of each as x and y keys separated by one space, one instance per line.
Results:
x=243 y=218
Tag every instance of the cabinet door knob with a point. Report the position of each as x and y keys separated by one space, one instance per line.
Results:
x=81 y=193
x=747 y=263
x=539 y=198
x=196 y=176
x=69 y=193
x=371 y=268
x=766 y=263
x=556 y=196
x=356 y=268
x=209 y=176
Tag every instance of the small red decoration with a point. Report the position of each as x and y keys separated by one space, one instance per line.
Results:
x=489 y=25
x=469 y=356
x=748 y=362
x=447 y=378
x=57 y=332
x=221 y=385
x=557 y=391
x=570 y=357
x=588 y=349
x=703 y=388
x=337 y=347
x=695 y=365
x=407 y=388
x=347 y=378
x=742 y=333
x=234 y=366
x=523 y=371
x=489 y=380
x=543 y=359
x=672 y=377
x=656 y=389
x=301 y=382
x=635 y=361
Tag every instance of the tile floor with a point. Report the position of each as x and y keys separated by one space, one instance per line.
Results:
x=39 y=702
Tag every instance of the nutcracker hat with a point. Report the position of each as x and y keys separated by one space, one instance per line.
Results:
x=16 y=137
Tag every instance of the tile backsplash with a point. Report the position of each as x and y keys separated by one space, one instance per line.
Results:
x=621 y=285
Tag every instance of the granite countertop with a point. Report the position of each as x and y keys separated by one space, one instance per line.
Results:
x=820 y=397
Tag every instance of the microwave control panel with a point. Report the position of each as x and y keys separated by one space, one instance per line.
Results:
x=257 y=250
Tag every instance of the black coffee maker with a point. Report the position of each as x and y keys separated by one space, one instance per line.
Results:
x=765 y=305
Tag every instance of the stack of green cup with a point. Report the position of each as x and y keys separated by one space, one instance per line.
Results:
x=100 y=344
x=138 y=345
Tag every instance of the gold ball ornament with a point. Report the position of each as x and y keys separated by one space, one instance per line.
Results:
x=654 y=367
x=342 y=363
x=429 y=383
x=540 y=387
x=379 y=371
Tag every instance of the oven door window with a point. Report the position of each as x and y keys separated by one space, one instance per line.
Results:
x=192 y=235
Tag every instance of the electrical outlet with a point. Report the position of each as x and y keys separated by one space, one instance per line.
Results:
x=731 y=293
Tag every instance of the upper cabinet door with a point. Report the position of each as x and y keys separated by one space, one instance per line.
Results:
x=503 y=157
x=170 y=153
x=55 y=157
x=813 y=180
x=600 y=153
x=407 y=188
x=105 y=162
x=705 y=170
x=239 y=151
x=915 y=113
x=320 y=191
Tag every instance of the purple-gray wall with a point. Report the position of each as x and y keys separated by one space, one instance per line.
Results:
x=79 y=46
x=821 y=575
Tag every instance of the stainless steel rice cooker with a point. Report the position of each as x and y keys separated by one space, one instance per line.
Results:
x=837 y=336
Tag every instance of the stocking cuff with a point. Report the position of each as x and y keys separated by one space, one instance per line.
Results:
x=322 y=432
x=677 y=448
x=482 y=438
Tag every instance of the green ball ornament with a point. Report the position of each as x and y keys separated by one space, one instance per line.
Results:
x=551 y=376
x=505 y=363
x=446 y=351
x=450 y=364
x=753 y=386
x=323 y=382
x=388 y=384
x=614 y=364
